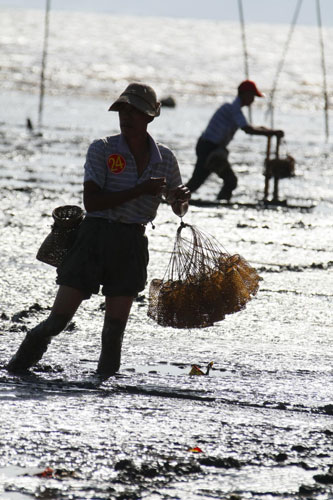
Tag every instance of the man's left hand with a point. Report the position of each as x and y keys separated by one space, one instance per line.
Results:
x=179 y=200
x=182 y=193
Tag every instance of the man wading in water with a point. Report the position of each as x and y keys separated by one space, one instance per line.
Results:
x=211 y=149
x=126 y=176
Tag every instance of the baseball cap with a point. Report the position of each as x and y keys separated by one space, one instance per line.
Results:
x=142 y=97
x=250 y=86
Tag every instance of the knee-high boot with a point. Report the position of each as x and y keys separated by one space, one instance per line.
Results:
x=112 y=339
x=230 y=183
x=36 y=342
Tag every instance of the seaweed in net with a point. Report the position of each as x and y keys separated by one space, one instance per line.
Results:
x=202 y=283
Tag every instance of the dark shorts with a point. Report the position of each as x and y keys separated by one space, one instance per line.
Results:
x=211 y=158
x=112 y=255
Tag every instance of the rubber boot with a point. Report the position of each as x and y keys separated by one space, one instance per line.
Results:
x=36 y=343
x=112 y=339
x=230 y=183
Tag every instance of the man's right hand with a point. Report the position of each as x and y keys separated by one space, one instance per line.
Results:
x=268 y=132
x=154 y=186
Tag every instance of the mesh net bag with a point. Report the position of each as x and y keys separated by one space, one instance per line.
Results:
x=67 y=219
x=202 y=283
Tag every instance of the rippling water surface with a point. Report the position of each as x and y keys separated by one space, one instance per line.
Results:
x=263 y=416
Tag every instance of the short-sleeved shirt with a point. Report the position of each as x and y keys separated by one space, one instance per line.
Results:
x=111 y=165
x=226 y=120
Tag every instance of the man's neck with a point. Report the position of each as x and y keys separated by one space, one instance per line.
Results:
x=137 y=142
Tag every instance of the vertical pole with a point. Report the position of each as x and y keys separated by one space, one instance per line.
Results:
x=246 y=64
x=44 y=57
x=241 y=17
x=276 y=190
x=277 y=149
x=270 y=106
x=323 y=69
x=267 y=176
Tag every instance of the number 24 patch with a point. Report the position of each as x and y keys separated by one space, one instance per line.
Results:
x=116 y=163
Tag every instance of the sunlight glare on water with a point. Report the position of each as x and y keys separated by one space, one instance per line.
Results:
x=262 y=417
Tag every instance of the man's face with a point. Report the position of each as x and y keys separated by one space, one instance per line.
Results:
x=247 y=98
x=131 y=120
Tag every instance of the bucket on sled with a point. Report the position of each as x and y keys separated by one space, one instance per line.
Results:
x=276 y=168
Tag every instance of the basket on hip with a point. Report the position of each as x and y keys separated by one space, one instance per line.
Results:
x=67 y=219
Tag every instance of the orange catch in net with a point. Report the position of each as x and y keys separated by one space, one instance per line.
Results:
x=202 y=283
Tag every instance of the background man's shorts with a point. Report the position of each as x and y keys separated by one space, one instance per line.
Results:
x=218 y=162
x=108 y=254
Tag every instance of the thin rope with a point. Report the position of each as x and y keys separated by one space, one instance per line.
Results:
x=320 y=28
x=270 y=104
x=44 y=57
x=245 y=53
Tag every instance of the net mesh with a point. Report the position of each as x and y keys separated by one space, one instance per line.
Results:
x=202 y=283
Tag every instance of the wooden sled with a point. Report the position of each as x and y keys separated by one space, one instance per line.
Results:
x=276 y=168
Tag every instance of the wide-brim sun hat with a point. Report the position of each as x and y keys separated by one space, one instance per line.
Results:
x=141 y=96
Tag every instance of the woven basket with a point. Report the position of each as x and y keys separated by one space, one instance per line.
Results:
x=280 y=168
x=67 y=219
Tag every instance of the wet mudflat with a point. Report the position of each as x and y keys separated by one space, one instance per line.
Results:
x=262 y=418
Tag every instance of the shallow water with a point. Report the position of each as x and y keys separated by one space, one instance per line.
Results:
x=263 y=416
